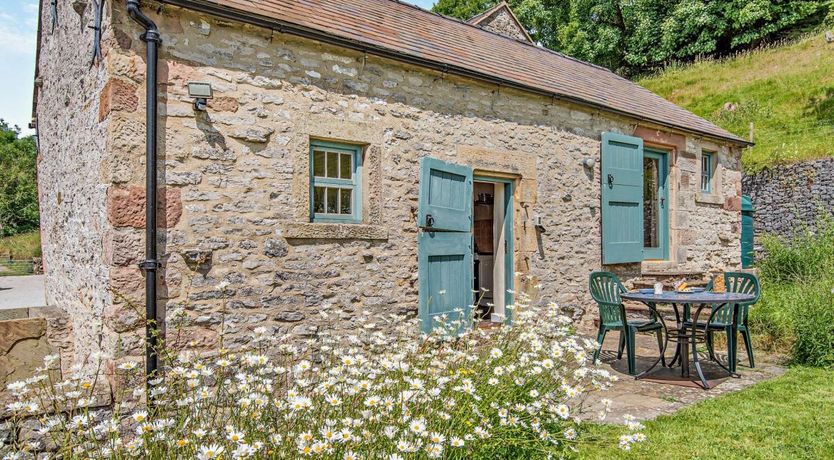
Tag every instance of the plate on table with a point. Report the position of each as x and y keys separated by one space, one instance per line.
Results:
x=692 y=290
x=646 y=291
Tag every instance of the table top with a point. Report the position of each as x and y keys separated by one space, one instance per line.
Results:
x=690 y=298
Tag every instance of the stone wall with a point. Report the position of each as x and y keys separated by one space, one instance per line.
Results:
x=27 y=336
x=238 y=247
x=790 y=198
x=72 y=138
x=501 y=22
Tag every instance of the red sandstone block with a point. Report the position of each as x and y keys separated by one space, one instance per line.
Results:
x=126 y=207
x=117 y=95
x=733 y=203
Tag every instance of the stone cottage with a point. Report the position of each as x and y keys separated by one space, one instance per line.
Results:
x=364 y=154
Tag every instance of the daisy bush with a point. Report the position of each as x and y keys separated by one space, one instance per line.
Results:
x=384 y=391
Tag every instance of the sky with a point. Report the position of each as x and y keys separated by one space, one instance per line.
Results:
x=18 y=32
x=18 y=29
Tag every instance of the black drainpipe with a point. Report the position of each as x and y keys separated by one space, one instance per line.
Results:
x=150 y=265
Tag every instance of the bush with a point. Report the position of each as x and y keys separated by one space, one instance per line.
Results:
x=510 y=392
x=18 y=182
x=796 y=311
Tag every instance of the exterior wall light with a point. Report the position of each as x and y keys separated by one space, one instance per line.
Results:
x=589 y=163
x=201 y=92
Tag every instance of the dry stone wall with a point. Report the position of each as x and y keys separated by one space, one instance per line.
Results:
x=791 y=198
x=238 y=248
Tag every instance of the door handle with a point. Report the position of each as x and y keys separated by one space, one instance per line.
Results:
x=610 y=181
x=662 y=202
x=429 y=220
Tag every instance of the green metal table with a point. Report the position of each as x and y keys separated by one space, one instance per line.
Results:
x=688 y=337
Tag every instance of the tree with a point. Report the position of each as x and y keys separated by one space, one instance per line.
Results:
x=632 y=36
x=18 y=182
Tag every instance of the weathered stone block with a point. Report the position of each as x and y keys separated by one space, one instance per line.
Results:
x=127 y=282
x=289 y=316
x=224 y=104
x=126 y=207
x=275 y=248
x=117 y=95
x=257 y=134
x=123 y=248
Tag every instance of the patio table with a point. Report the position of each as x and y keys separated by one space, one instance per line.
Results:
x=692 y=335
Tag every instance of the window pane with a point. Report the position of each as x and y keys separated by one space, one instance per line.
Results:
x=318 y=163
x=318 y=200
x=345 y=201
x=332 y=200
x=332 y=164
x=345 y=167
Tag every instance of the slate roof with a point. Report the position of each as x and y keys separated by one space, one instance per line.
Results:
x=406 y=32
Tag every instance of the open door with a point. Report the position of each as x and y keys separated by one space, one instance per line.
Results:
x=445 y=241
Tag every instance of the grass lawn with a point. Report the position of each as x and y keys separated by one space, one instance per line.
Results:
x=786 y=91
x=791 y=417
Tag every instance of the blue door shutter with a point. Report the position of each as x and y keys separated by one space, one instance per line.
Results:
x=444 y=249
x=445 y=196
x=622 y=199
x=446 y=272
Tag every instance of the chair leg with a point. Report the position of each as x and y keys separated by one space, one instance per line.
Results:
x=622 y=344
x=732 y=359
x=600 y=339
x=660 y=347
x=710 y=346
x=748 y=344
x=632 y=364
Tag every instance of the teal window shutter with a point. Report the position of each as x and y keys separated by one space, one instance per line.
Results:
x=622 y=199
x=445 y=265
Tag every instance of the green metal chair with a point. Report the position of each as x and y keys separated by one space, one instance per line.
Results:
x=721 y=319
x=606 y=288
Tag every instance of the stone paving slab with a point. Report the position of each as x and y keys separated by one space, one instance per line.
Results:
x=646 y=399
x=22 y=292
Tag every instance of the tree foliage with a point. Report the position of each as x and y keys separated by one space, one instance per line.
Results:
x=631 y=36
x=18 y=182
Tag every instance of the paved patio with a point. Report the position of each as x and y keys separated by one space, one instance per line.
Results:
x=22 y=292
x=665 y=391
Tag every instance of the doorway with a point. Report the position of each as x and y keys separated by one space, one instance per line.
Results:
x=492 y=248
x=655 y=205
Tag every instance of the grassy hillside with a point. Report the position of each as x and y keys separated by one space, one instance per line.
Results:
x=21 y=246
x=786 y=91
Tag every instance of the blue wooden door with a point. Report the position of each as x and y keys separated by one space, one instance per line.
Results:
x=622 y=199
x=445 y=242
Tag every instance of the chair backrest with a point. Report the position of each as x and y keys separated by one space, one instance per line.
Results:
x=743 y=283
x=739 y=283
x=606 y=288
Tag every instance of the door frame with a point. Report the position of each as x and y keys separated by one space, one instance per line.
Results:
x=662 y=252
x=509 y=249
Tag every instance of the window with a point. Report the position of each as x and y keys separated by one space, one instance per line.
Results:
x=706 y=171
x=335 y=189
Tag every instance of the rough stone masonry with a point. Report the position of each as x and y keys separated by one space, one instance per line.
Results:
x=238 y=246
x=790 y=198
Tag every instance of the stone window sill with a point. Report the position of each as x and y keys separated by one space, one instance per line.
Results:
x=709 y=198
x=334 y=231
